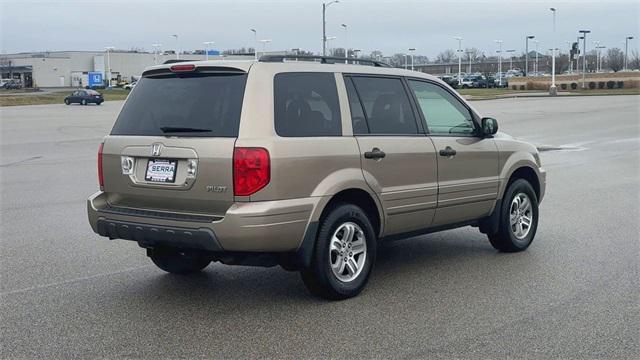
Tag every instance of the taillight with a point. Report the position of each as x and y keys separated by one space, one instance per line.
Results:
x=251 y=170
x=100 y=173
x=183 y=68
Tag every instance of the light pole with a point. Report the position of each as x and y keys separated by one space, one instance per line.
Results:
x=584 y=57
x=469 y=55
x=156 y=52
x=526 y=54
x=324 y=25
x=406 y=61
x=255 y=44
x=346 y=50
x=109 y=49
x=596 y=45
x=499 y=62
x=510 y=58
x=206 y=49
x=600 y=57
x=411 y=50
x=177 y=46
x=459 y=59
x=535 y=67
x=264 y=45
x=626 y=47
x=570 y=60
x=552 y=89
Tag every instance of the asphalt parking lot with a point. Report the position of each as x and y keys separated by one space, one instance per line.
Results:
x=66 y=293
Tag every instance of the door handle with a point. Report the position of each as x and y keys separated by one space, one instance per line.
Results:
x=448 y=151
x=375 y=153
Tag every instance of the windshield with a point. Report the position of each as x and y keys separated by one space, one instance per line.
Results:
x=183 y=105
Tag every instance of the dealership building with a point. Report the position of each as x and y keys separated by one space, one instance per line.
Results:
x=84 y=68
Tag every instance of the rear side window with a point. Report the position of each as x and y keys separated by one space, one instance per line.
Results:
x=386 y=106
x=306 y=104
x=194 y=104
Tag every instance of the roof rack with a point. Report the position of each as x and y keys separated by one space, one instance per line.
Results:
x=322 y=59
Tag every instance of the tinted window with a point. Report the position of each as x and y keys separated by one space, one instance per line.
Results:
x=306 y=104
x=208 y=104
x=358 y=119
x=386 y=105
x=443 y=112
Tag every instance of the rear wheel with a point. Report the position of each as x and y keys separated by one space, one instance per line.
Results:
x=344 y=254
x=178 y=262
x=518 y=218
x=66 y=101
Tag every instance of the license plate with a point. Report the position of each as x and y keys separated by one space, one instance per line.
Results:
x=161 y=170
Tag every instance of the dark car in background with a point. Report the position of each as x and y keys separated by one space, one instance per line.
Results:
x=483 y=82
x=84 y=97
x=450 y=80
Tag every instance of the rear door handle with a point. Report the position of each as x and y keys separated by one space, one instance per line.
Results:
x=448 y=151
x=375 y=153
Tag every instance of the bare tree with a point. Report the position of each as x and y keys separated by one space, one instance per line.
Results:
x=446 y=56
x=615 y=59
x=634 y=60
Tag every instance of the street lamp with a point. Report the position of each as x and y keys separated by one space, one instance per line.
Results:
x=499 y=42
x=469 y=55
x=459 y=59
x=535 y=67
x=156 y=52
x=552 y=89
x=584 y=56
x=177 y=46
x=510 y=58
x=206 y=49
x=626 y=47
x=596 y=45
x=526 y=55
x=411 y=50
x=264 y=45
x=255 y=44
x=600 y=56
x=346 y=50
x=324 y=25
x=109 y=49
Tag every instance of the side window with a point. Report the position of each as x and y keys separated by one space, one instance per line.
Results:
x=306 y=104
x=358 y=119
x=443 y=112
x=386 y=105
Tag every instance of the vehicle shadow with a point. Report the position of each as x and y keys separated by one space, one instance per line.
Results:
x=400 y=264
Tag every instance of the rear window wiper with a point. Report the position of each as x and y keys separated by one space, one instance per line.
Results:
x=175 y=129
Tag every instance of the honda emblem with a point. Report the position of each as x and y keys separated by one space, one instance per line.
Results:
x=156 y=149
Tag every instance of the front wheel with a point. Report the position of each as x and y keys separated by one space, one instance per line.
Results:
x=83 y=102
x=518 y=218
x=344 y=254
x=178 y=262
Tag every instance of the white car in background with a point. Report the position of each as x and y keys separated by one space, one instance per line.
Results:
x=130 y=86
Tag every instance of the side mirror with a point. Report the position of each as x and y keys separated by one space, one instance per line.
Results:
x=489 y=126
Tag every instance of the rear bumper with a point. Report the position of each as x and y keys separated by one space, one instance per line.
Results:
x=266 y=226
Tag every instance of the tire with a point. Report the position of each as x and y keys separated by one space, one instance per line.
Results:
x=66 y=101
x=465 y=86
x=83 y=102
x=513 y=237
x=98 y=103
x=178 y=262
x=320 y=278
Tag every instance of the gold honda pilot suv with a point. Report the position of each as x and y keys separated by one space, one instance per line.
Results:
x=308 y=163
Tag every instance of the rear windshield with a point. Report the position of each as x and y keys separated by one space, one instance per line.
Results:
x=206 y=105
